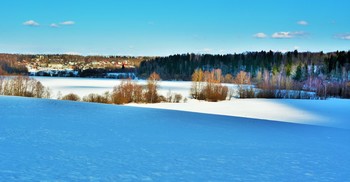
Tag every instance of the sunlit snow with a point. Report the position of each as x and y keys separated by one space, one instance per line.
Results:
x=50 y=140
x=332 y=112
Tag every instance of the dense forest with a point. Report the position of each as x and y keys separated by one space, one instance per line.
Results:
x=180 y=67
x=273 y=74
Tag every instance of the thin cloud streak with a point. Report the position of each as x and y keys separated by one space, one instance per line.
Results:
x=67 y=23
x=288 y=35
x=345 y=36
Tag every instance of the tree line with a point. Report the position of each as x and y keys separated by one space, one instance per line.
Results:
x=127 y=92
x=273 y=74
x=23 y=86
x=181 y=67
x=332 y=65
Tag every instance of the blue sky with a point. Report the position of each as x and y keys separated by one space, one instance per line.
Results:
x=164 y=27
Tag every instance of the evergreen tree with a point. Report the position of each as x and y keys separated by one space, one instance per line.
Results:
x=298 y=73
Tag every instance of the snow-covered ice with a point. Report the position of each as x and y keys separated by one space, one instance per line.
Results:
x=50 y=140
x=85 y=86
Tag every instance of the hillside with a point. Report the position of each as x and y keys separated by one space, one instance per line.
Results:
x=46 y=140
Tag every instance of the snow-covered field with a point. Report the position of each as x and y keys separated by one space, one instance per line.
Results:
x=331 y=112
x=51 y=140
x=237 y=140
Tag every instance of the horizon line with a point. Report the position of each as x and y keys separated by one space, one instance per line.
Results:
x=199 y=53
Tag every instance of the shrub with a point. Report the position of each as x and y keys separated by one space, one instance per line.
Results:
x=246 y=93
x=228 y=78
x=185 y=100
x=71 y=97
x=151 y=94
x=161 y=98
x=242 y=78
x=207 y=86
x=214 y=92
x=177 y=98
x=96 y=98
x=197 y=84
x=173 y=98
x=269 y=94
x=123 y=93
x=127 y=92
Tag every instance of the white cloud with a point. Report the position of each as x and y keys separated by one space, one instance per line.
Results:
x=287 y=35
x=302 y=22
x=260 y=35
x=67 y=23
x=54 y=25
x=296 y=47
x=31 y=23
x=345 y=36
x=282 y=35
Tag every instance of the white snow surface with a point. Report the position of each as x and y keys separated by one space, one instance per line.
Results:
x=85 y=86
x=52 y=140
x=331 y=112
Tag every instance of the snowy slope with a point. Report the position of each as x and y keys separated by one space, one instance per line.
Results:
x=331 y=112
x=46 y=140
